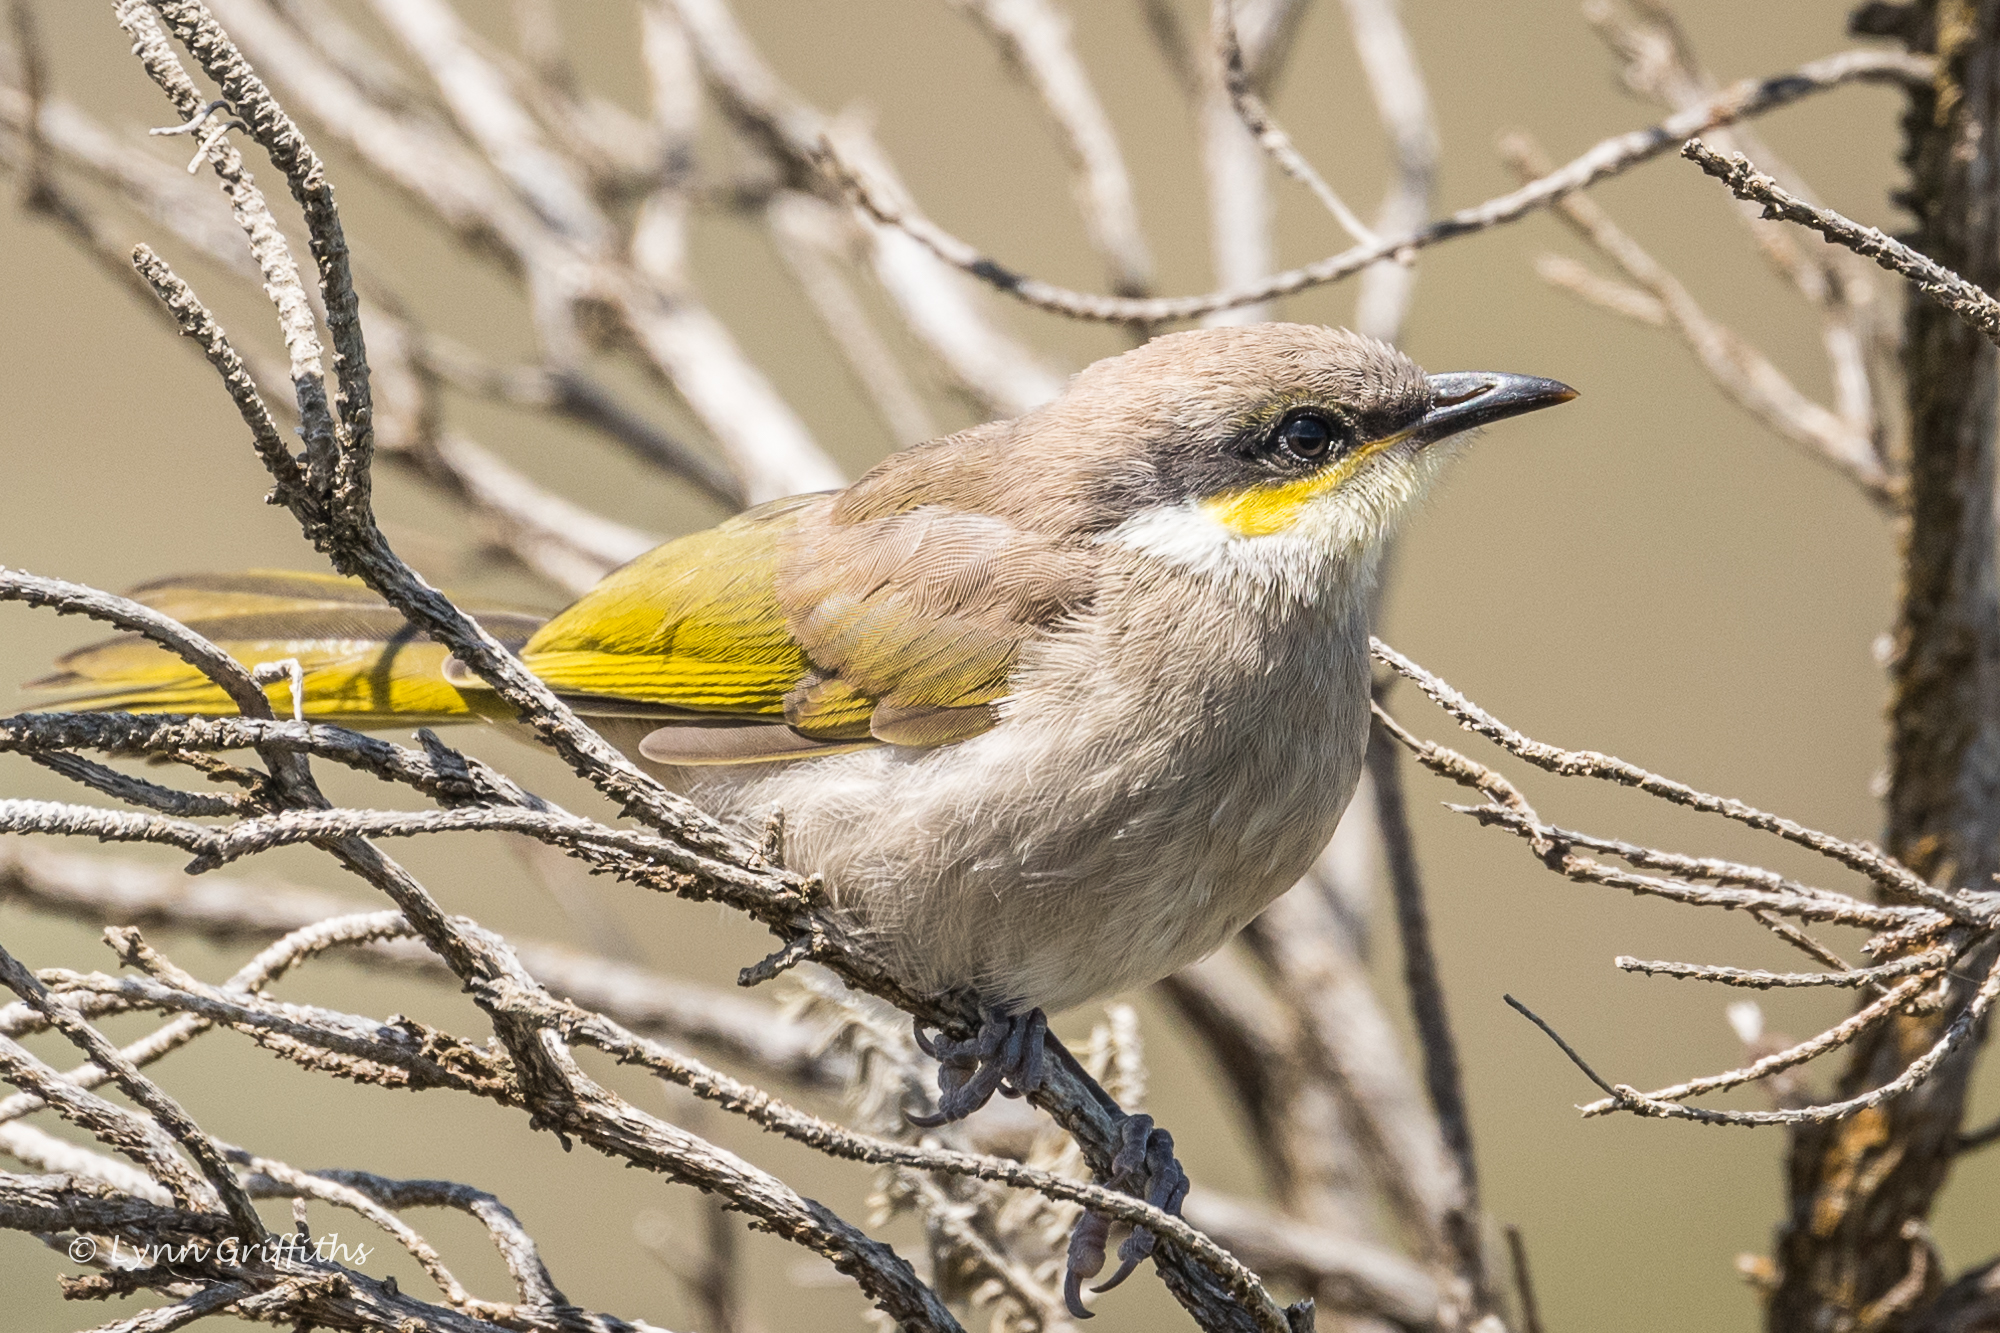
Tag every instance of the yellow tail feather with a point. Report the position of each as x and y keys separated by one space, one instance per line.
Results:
x=363 y=664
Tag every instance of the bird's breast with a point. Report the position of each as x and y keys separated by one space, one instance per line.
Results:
x=1164 y=766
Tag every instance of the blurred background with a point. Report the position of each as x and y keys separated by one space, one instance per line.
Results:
x=1647 y=572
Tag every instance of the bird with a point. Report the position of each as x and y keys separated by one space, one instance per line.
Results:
x=1053 y=705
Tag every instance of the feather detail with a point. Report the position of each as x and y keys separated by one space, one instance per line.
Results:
x=700 y=745
x=693 y=624
x=927 y=727
x=363 y=663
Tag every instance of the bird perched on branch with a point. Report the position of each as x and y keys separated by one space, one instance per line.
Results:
x=1055 y=704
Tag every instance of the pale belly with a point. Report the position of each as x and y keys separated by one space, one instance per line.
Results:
x=1085 y=846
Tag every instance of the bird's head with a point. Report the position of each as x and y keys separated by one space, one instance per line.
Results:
x=1268 y=452
x=1242 y=447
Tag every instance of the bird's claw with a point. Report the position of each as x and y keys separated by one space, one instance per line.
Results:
x=1007 y=1055
x=1144 y=1166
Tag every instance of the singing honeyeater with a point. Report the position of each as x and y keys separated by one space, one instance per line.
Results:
x=1054 y=704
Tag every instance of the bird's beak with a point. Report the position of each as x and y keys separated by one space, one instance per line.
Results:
x=1467 y=398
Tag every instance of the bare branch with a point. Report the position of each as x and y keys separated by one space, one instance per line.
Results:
x=1403 y=104
x=1034 y=35
x=1608 y=158
x=1443 y=1083
x=731 y=1026
x=148 y=1094
x=1739 y=369
x=1587 y=763
x=1264 y=127
x=1931 y=278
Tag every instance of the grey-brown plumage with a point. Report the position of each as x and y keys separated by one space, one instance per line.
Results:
x=1096 y=721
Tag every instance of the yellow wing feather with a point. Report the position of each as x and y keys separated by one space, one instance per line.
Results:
x=692 y=624
x=857 y=638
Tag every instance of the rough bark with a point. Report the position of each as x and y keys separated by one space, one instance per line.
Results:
x=1853 y=1253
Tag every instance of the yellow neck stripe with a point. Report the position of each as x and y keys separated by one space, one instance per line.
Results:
x=1262 y=511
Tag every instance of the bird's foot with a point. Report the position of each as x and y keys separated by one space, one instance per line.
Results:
x=1145 y=1167
x=1006 y=1056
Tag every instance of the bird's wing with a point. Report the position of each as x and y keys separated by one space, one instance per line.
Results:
x=776 y=635
x=914 y=622
x=788 y=634
x=363 y=663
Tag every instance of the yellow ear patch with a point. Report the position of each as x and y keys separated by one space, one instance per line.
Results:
x=1263 y=511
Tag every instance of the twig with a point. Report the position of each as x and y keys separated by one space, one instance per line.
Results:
x=1740 y=370
x=267 y=243
x=1756 y=979
x=1264 y=127
x=138 y=791
x=214 y=1298
x=1035 y=37
x=1443 y=1081
x=1524 y=1283
x=1567 y=1049
x=1608 y=158
x=1931 y=278
x=1549 y=845
x=1588 y=763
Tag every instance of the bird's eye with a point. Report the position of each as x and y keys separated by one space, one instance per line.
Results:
x=1307 y=436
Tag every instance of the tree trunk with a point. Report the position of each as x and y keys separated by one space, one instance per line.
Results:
x=1853 y=1253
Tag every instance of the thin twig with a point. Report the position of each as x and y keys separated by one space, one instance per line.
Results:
x=1269 y=134
x=1931 y=278
x=1443 y=1081
x=1608 y=158
x=1556 y=1037
x=1739 y=369
x=1588 y=763
x=1524 y=1283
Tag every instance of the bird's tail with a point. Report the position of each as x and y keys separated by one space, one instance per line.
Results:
x=362 y=664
